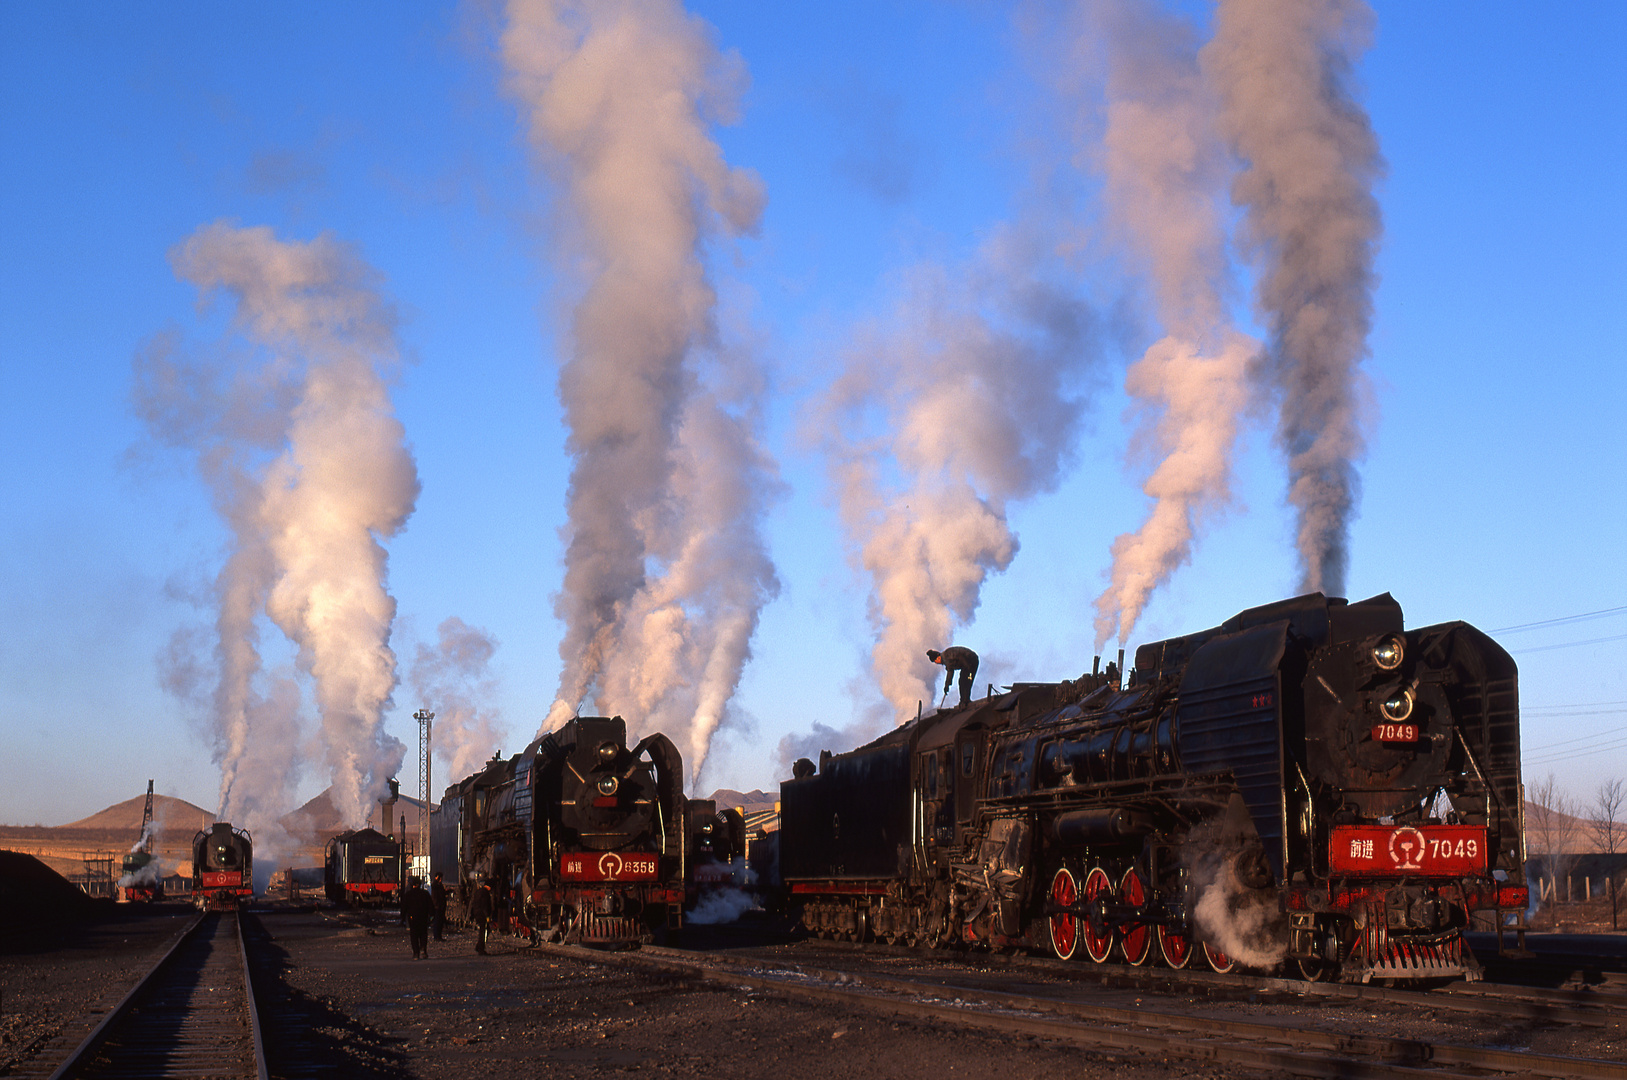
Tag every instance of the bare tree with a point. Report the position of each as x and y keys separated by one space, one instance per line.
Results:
x=1610 y=832
x=1553 y=829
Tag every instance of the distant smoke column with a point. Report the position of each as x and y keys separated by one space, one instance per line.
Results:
x=936 y=425
x=619 y=94
x=1165 y=170
x=232 y=414
x=452 y=680
x=1310 y=159
x=344 y=482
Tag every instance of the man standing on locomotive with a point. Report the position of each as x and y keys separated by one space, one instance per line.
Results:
x=955 y=658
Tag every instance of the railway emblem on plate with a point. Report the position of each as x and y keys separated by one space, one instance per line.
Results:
x=609 y=865
x=1406 y=846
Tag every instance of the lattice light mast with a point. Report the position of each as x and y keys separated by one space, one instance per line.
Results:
x=424 y=718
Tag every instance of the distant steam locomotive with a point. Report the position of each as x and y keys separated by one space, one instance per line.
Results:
x=222 y=867
x=362 y=868
x=581 y=837
x=1308 y=782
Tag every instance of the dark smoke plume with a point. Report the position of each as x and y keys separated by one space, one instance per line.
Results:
x=1282 y=69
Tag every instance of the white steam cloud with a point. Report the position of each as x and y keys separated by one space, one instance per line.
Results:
x=1281 y=69
x=938 y=423
x=451 y=678
x=307 y=465
x=1165 y=169
x=665 y=567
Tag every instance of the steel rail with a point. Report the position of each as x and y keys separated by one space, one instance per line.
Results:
x=1152 y=1031
x=82 y=1059
x=1580 y=1007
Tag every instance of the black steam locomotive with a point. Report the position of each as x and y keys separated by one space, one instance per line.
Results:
x=580 y=837
x=222 y=867
x=362 y=868
x=1308 y=782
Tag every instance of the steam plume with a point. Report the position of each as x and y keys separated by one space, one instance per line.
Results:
x=1164 y=170
x=307 y=524
x=1282 y=71
x=451 y=676
x=936 y=425
x=619 y=95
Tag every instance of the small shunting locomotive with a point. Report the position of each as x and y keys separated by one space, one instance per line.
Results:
x=1308 y=784
x=222 y=867
x=363 y=868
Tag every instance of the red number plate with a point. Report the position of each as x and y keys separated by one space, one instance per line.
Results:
x=1395 y=850
x=607 y=866
x=1395 y=732
x=215 y=879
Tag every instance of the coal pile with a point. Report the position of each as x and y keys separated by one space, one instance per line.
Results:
x=33 y=891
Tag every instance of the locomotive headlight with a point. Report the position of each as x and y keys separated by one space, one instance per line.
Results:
x=607 y=785
x=1398 y=706
x=707 y=828
x=608 y=751
x=1389 y=652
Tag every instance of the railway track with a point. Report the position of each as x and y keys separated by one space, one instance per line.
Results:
x=1588 y=1008
x=1158 y=1030
x=193 y=1014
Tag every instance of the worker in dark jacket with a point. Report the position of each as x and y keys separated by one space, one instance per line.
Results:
x=437 y=899
x=416 y=908
x=956 y=659
x=480 y=913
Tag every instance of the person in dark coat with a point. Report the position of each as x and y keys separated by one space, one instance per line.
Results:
x=956 y=659
x=480 y=913
x=416 y=908
x=437 y=898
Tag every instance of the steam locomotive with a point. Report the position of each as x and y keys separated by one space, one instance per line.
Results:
x=1308 y=783
x=361 y=868
x=222 y=867
x=581 y=837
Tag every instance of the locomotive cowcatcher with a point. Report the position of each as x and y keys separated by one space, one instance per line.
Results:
x=222 y=867
x=1307 y=783
x=580 y=836
x=362 y=867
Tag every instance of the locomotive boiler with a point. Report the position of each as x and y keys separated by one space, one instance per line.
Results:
x=222 y=867
x=580 y=836
x=362 y=868
x=1308 y=783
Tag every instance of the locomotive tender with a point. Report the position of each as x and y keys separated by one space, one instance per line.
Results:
x=362 y=867
x=222 y=867
x=581 y=837
x=1308 y=782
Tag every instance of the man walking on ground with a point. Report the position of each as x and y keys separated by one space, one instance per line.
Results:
x=416 y=908
x=437 y=899
x=480 y=913
x=956 y=659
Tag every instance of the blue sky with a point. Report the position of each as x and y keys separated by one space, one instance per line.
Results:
x=885 y=134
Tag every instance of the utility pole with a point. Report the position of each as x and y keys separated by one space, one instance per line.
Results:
x=424 y=718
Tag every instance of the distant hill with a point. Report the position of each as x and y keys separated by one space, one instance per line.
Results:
x=172 y=815
x=746 y=801
x=319 y=817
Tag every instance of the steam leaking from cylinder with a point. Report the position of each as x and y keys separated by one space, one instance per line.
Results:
x=307 y=463
x=665 y=567
x=1281 y=69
